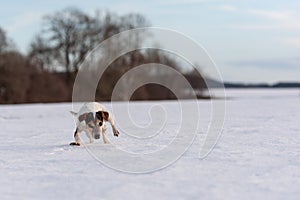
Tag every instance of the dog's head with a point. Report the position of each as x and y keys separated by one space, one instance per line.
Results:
x=101 y=116
x=92 y=122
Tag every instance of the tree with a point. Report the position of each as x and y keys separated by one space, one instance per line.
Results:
x=69 y=35
x=14 y=77
x=6 y=44
x=3 y=42
x=66 y=39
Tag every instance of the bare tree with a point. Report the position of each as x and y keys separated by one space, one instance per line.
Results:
x=14 y=77
x=3 y=42
x=69 y=35
x=133 y=20
x=6 y=44
x=66 y=39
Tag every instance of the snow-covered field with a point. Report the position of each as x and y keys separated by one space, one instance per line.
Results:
x=256 y=157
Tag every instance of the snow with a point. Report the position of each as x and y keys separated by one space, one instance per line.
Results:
x=256 y=157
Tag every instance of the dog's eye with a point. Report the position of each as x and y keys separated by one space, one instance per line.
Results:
x=91 y=126
x=100 y=123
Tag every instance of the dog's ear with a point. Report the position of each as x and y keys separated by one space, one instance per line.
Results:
x=105 y=115
x=99 y=115
x=82 y=117
x=102 y=115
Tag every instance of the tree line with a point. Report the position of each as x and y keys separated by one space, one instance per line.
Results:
x=46 y=73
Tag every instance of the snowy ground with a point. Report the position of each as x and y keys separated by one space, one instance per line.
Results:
x=257 y=156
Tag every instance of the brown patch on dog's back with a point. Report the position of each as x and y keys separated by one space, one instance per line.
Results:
x=82 y=117
x=88 y=117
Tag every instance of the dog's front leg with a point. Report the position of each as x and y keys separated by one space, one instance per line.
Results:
x=104 y=135
x=77 y=137
x=112 y=123
x=115 y=131
x=89 y=134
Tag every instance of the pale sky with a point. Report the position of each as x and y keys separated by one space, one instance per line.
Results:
x=250 y=41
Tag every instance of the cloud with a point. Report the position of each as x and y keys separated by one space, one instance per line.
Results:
x=285 y=20
x=181 y=2
x=272 y=64
x=295 y=42
x=23 y=20
x=228 y=8
x=269 y=19
x=271 y=14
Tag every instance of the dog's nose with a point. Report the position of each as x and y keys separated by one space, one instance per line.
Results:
x=100 y=123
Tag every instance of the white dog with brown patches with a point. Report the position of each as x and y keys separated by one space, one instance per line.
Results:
x=91 y=119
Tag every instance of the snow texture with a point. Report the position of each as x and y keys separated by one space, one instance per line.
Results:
x=256 y=157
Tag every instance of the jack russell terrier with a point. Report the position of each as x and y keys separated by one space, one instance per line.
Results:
x=91 y=119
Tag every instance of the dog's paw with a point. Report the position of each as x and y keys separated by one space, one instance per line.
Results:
x=116 y=133
x=75 y=144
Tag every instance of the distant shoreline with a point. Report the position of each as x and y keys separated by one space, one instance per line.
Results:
x=211 y=83
x=264 y=85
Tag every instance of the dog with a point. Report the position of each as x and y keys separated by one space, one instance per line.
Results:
x=91 y=119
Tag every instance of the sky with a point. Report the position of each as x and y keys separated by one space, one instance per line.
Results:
x=251 y=41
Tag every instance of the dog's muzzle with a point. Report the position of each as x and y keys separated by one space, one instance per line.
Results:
x=97 y=136
x=96 y=133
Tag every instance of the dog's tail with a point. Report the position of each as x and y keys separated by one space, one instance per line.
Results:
x=73 y=113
